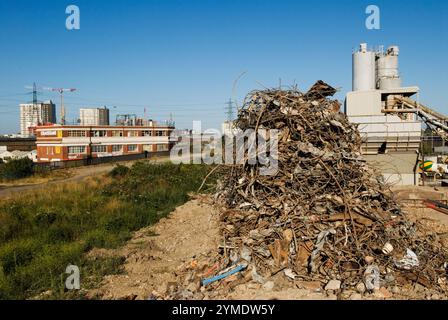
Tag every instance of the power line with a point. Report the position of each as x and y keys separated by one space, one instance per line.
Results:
x=12 y=95
x=78 y=101
x=177 y=106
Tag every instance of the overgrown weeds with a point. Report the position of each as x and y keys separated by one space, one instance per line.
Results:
x=41 y=233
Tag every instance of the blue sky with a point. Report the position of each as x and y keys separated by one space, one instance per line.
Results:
x=182 y=57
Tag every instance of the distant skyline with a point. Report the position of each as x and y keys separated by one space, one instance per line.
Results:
x=183 y=57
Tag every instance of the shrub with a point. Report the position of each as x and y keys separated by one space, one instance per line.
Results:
x=119 y=171
x=17 y=253
x=16 y=169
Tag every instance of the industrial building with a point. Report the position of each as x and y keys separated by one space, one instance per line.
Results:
x=134 y=120
x=94 y=117
x=34 y=114
x=389 y=120
x=62 y=143
x=21 y=144
x=6 y=155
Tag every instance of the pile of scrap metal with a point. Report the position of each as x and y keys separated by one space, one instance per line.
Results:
x=326 y=215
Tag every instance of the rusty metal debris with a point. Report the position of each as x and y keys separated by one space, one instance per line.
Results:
x=324 y=195
x=326 y=215
x=436 y=205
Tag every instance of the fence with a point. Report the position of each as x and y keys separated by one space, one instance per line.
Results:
x=94 y=161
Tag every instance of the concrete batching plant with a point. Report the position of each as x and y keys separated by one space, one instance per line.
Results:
x=389 y=119
x=390 y=141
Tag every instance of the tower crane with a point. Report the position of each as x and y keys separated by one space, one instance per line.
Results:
x=61 y=93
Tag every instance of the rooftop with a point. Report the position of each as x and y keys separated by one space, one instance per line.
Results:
x=106 y=127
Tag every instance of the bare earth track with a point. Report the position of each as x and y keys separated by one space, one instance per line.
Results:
x=78 y=174
x=155 y=253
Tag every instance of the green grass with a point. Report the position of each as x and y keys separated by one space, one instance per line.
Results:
x=43 y=232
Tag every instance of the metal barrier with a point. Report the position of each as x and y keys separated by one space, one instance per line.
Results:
x=43 y=166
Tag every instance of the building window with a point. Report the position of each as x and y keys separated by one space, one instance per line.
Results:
x=117 y=133
x=50 y=151
x=99 y=149
x=76 y=133
x=99 y=133
x=160 y=133
x=76 y=149
x=147 y=147
x=147 y=133
x=117 y=148
x=132 y=148
x=162 y=147
x=133 y=133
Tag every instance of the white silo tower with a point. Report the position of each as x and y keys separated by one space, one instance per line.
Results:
x=387 y=69
x=364 y=69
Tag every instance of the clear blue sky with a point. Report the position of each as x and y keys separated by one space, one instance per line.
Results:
x=183 y=56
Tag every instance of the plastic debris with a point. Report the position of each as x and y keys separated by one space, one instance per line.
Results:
x=255 y=276
x=372 y=278
x=236 y=269
x=388 y=248
x=290 y=274
x=408 y=262
x=321 y=239
x=246 y=253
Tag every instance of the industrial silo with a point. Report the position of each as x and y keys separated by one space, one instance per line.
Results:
x=364 y=73
x=387 y=69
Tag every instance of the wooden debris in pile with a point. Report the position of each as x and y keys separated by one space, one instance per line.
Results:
x=326 y=213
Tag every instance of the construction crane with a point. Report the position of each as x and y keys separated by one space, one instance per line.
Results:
x=61 y=93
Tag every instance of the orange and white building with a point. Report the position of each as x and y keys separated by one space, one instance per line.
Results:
x=64 y=142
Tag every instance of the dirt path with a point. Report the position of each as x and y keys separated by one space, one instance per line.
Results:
x=78 y=175
x=155 y=253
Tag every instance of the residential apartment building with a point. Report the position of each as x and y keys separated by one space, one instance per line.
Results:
x=32 y=115
x=94 y=117
x=62 y=143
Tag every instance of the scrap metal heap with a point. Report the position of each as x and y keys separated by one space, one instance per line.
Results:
x=326 y=215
